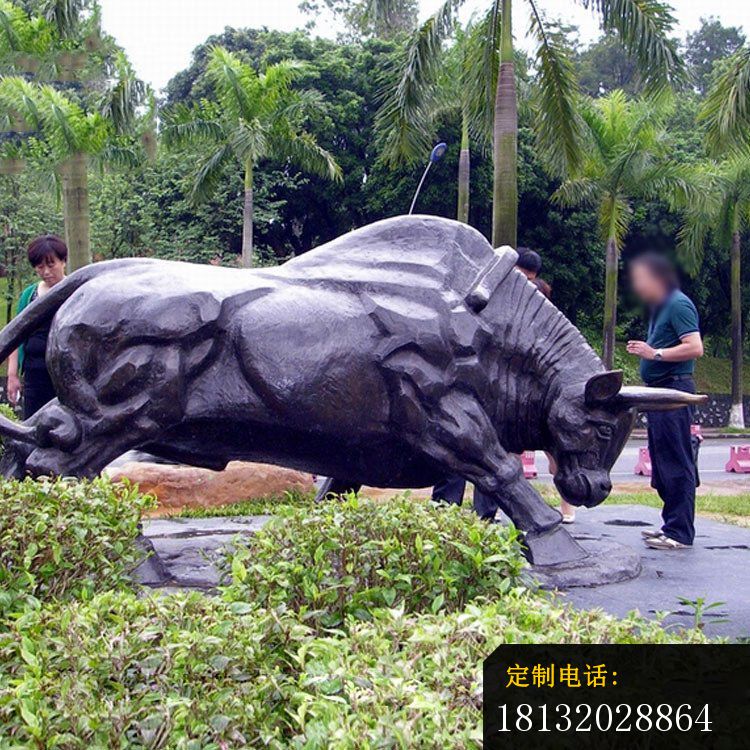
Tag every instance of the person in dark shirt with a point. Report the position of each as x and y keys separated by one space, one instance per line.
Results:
x=47 y=255
x=668 y=361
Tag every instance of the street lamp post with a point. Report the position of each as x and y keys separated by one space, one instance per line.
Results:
x=435 y=156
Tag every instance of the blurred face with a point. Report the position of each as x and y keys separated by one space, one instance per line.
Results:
x=528 y=274
x=51 y=270
x=650 y=288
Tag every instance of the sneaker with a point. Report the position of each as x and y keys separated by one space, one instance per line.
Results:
x=569 y=518
x=664 y=542
x=651 y=533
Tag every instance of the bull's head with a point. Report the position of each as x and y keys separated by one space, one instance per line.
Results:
x=589 y=426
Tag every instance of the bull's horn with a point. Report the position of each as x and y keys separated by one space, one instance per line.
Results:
x=17 y=431
x=657 y=399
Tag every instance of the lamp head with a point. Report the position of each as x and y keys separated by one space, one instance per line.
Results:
x=438 y=152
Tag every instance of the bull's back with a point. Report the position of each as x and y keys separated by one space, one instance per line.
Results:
x=312 y=357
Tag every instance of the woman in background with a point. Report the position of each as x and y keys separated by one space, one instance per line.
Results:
x=47 y=255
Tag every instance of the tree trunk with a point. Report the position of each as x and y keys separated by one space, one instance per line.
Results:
x=505 y=141
x=247 y=219
x=464 y=173
x=610 y=303
x=736 y=415
x=75 y=190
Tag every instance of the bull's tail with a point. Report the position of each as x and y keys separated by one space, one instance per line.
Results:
x=39 y=313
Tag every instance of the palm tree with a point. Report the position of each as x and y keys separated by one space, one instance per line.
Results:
x=70 y=138
x=643 y=27
x=448 y=86
x=69 y=127
x=625 y=158
x=726 y=110
x=253 y=117
x=722 y=206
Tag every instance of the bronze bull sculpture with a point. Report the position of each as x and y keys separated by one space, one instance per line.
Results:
x=391 y=356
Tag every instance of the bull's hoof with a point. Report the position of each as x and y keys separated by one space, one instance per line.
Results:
x=553 y=547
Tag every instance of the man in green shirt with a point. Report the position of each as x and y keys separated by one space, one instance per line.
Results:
x=667 y=361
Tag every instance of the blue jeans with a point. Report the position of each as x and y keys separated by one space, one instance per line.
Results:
x=451 y=490
x=673 y=470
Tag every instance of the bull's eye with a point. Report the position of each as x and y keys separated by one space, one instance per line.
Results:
x=605 y=431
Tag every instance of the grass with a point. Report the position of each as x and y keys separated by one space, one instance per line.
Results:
x=731 y=508
x=253 y=506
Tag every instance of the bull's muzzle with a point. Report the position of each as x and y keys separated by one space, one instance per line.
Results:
x=583 y=487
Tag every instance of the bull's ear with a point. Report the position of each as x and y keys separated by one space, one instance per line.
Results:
x=603 y=387
x=657 y=399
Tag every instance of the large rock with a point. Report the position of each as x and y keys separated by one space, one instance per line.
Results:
x=179 y=487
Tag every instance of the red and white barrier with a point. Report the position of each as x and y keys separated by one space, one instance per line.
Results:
x=739 y=459
x=528 y=461
x=643 y=465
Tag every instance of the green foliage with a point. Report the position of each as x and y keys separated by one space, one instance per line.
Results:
x=61 y=539
x=346 y=558
x=85 y=668
x=605 y=67
x=186 y=671
x=255 y=506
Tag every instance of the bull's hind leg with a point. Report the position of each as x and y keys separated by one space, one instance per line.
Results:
x=332 y=486
x=461 y=437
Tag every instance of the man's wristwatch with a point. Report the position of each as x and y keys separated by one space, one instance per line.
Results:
x=658 y=354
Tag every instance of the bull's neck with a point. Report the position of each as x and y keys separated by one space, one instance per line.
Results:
x=540 y=353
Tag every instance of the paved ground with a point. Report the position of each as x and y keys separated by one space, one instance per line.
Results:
x=716 y=569
x=187 y=549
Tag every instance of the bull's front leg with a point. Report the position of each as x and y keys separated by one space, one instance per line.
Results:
x=461 y=436
x=546 y=541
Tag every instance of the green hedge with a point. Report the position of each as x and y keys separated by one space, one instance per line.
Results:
x=62 y=539
x=348 y=557
x=349 y=625
x=186 y=671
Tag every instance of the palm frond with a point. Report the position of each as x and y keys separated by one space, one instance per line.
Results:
x=119 y=156
x=403 y=119
x=645 y=28
x=575 y=192
x=726 y=110
x=481 y=64
x=249 y=141
x=183 y=125
x=300 y=105
x=237 y=85
x=615 y=214
x=11 y=18
x=123 y=96
x=209 y=173
x=304 y=152
x=691 y=241
x=557 y=123
x=64 y=15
